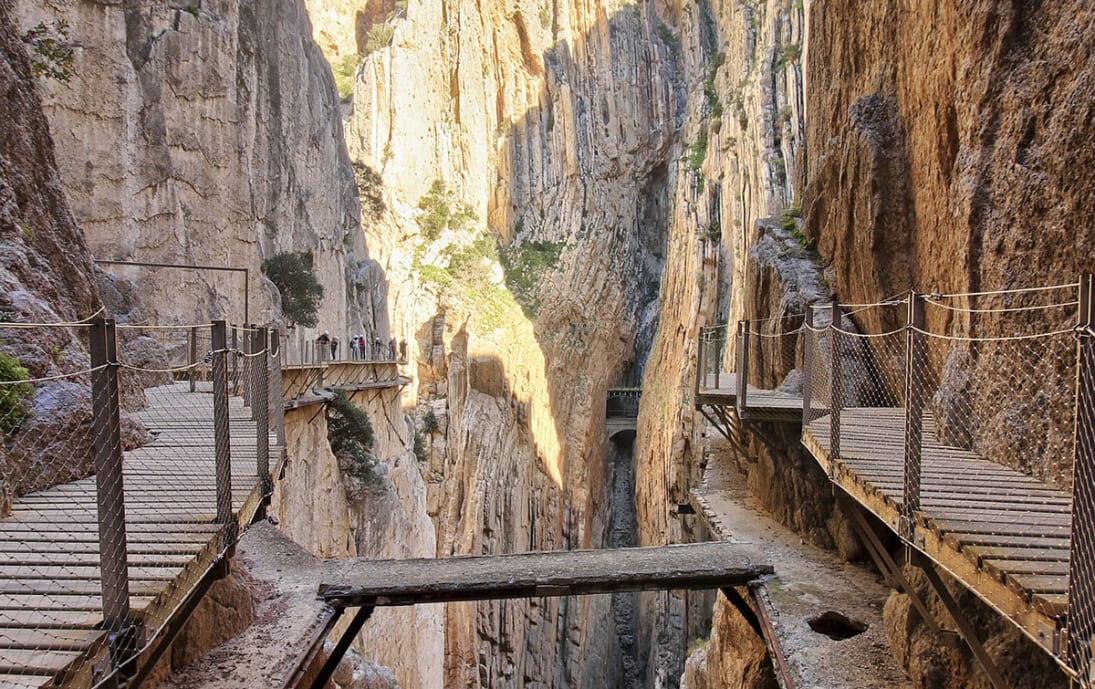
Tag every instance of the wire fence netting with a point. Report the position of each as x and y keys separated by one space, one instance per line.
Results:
x=959 y=413
x=112 y=482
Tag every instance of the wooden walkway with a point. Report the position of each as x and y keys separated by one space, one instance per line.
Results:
x=760 y=405
x=1003 y=534
x=302 y=385
x=49 y=569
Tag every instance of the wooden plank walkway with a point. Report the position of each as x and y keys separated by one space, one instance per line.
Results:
x=760 y=405
x=49 y=564
x=359 y=581
x=1003 y=534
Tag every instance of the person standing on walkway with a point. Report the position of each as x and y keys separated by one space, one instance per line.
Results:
x=323 y=344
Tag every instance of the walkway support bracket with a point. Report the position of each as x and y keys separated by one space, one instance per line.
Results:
x=965 y=628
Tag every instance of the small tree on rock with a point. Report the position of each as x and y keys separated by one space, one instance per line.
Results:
x=291 y=272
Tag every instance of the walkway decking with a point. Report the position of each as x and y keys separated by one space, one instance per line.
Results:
x=305 y=384
x=760 y=405
x=1004 y=534
x=49 y=563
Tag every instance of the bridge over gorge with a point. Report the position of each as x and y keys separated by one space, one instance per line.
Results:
x=621 y=411
x=135 y=484
x=965 y=423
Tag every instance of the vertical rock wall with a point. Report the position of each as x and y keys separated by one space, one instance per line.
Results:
x=205 y=133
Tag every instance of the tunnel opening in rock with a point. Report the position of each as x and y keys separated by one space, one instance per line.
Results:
x=836 y=626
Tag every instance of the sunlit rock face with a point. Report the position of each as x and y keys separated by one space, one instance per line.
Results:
x=208 y=135
x=549 y=128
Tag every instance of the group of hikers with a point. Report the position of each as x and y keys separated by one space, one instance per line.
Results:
x=361 y=349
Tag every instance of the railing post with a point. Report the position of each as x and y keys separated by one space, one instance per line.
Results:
x=701 y=367
x=109 y=489
x=277 y=398
x=193 y=359
x=836 y=383
x=1081 y=567
x=260 y=407
x=916 y=367
x=743 y=367
x=807 y=363
x=221 y=435
x=249 y=367
x=235 y=361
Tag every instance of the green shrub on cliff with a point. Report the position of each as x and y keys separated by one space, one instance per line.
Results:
x=351 y=438
x=344 y=71
x=440 y=210
x=15 y=395
x=291 y=272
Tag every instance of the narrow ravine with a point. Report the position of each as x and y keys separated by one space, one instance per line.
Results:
x=623 y=534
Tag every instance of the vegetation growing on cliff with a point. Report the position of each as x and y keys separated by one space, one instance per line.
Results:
x=524 y=265
x=351 y=438
x=344 y=71
x=51 y=52
x=15 y=395
x=369 y=191
x=291 y=272
x=440 y=210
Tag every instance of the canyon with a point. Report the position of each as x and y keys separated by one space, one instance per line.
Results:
x=548 y=200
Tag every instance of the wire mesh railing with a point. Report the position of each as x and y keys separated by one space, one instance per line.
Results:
x=971 y=412
x=127 y=457
x=328 y=348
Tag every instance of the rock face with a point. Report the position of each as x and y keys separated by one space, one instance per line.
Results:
x=206 y=135
x=336 y=515
x=45 y=277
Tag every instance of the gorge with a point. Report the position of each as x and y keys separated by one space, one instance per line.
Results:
x=546 y=201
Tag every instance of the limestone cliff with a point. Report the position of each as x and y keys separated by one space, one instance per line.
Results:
x=45 y=276
x=548 y=127
x=334 y=512
x=206 y=133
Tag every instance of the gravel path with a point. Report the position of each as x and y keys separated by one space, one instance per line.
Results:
x=808 y=583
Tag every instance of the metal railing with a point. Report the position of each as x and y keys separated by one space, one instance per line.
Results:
x=119 y=464
x=1006 y=376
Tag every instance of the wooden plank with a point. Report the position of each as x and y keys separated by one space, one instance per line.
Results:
x=70 y=587
x=21 y=681
x=1003 y=569
x=975 y=526
x=50 y=639
x=1027 y=584
x=959 y=539
x=356 y=581
x=68 y=572
x=981 y=553
x=36 y=662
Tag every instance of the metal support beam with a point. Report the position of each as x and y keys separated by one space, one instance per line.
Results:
x=742 y=607
x=887 y=565
x=328 y=669
x=916 y=368
x=965 y=629
x=192 y=374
